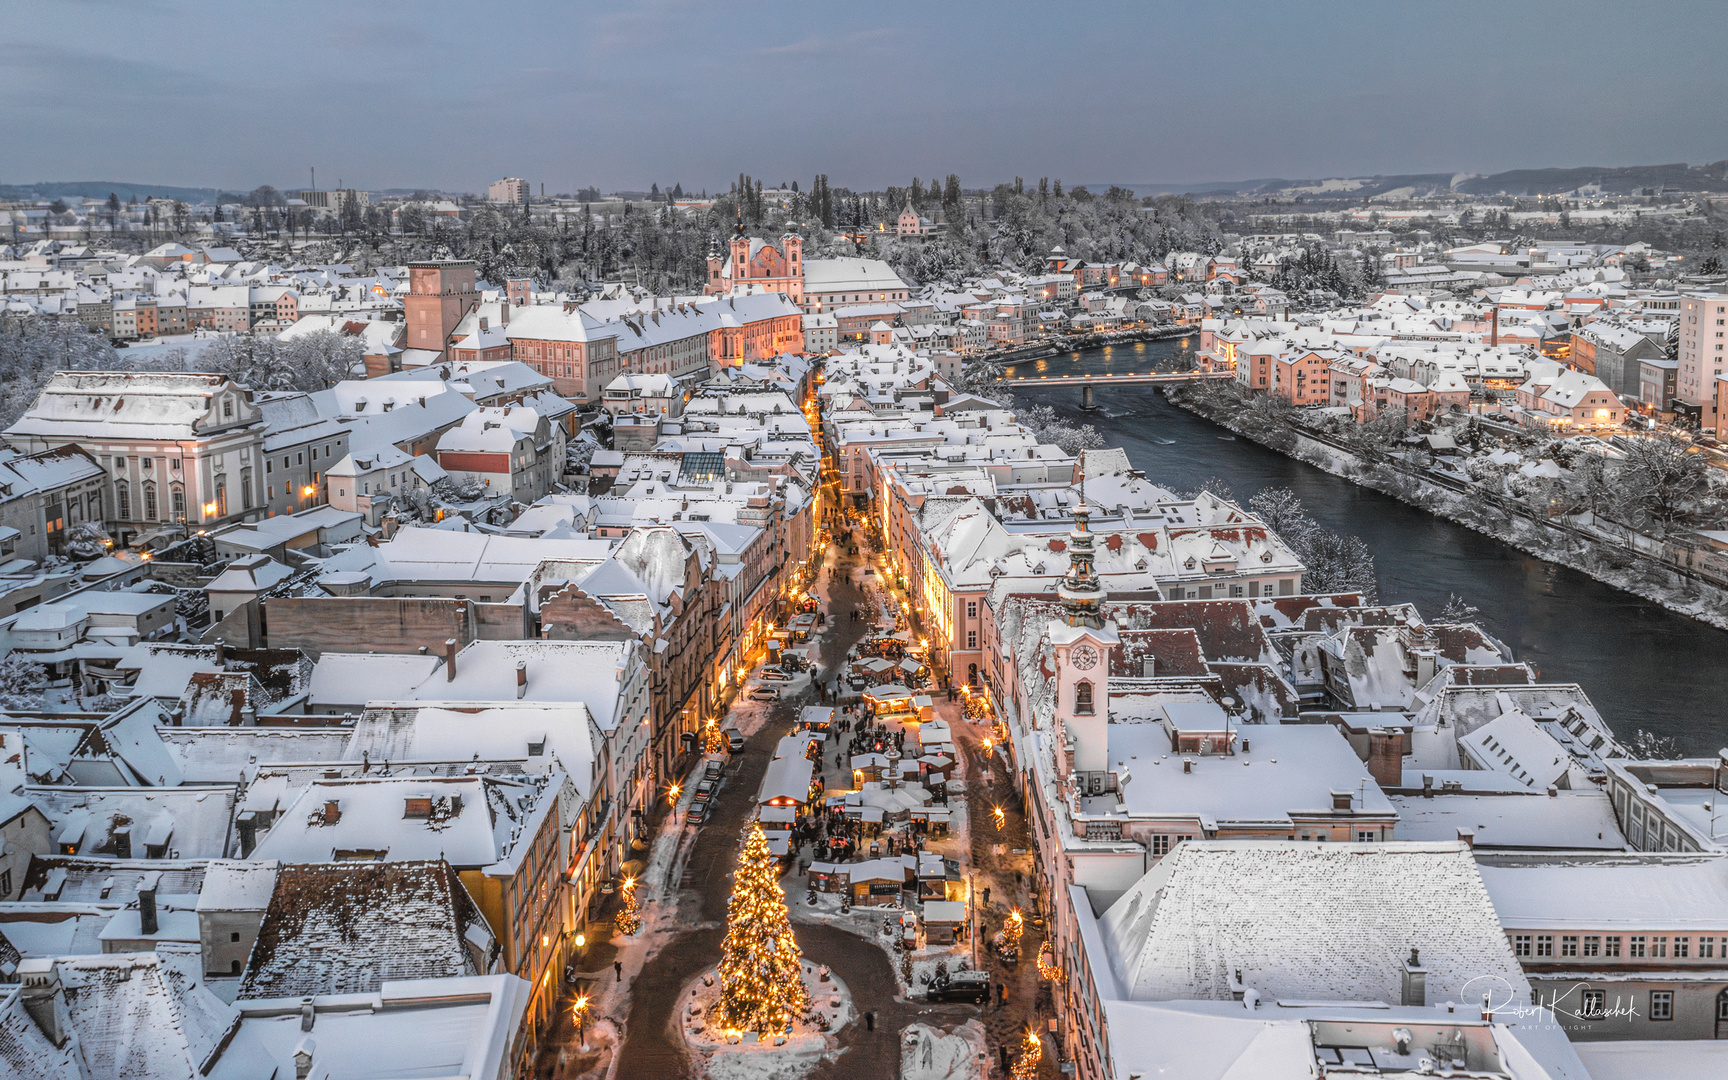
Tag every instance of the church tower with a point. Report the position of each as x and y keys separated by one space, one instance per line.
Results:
x=1084 y=645
x=715 y=262
x=1081 y=592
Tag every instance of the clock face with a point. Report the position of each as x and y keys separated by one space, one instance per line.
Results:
x=1084 y=657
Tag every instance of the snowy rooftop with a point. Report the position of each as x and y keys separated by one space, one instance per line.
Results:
x=592 y=673
x=343 y=928
x=1319 y=922
x=1287 y=771
x=370 y=821
x=1609 y=892
x=452 y=1029
x=1569 y=820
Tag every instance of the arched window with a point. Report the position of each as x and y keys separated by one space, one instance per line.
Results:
x=149 y=500
x=177 y=501
x=246 y=489
x=1083 y=698
x=123 y=500
x=221 y=495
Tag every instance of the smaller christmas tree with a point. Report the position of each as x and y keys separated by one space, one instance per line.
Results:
x=1031 y=1052
x=761 y=980
x=628 y=921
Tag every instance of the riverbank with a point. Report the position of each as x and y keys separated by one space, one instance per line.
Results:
x=1551 y=540
x=1065 y=345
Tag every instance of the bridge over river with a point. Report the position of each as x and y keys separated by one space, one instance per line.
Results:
x=1087 y=382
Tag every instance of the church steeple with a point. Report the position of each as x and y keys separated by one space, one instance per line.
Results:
x=738 y=229
x=1081 y=592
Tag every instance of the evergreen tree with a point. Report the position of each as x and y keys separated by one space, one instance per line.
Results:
x=761 y=982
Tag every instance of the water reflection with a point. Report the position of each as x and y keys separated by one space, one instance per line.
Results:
x=1643 y=666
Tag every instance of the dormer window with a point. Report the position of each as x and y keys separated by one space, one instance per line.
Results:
x=1083 y=699
x=227 y=408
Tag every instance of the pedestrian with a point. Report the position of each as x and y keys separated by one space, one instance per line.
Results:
x=618 y=969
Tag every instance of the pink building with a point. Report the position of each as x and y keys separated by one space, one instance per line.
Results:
x=1573 y=399
x=1302 y=378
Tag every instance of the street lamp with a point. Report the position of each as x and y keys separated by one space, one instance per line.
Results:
x=579 y=1013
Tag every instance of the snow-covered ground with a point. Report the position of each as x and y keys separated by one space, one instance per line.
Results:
x=929 y=1053
x=735 y=1056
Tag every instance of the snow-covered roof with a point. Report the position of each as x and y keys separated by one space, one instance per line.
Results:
x=370 y=819
x=1633 y=892
x=345 y=928
x=451 y=1028
x=590 y=674
x=1320 y=922
x=237 y=885
x=1568 y=820
x=122 y=404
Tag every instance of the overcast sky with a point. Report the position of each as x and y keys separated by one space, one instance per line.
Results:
x=382 y=94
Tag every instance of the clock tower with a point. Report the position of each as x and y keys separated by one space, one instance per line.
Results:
x=1083 y=643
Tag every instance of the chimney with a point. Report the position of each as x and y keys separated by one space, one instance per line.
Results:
x=247 y=825
x=123 y=841
x=236 y=706
x=1427 y=786
x=1487 y=1010
x=1187 y=765
x=1468 y=836
x=221 y=652
x=303 y=1051
x=449 y=659
x=332 y=811
x=307 y=1015
x=147 y=922
x=521 y=679
x=44 y=999
x=1385 y=757
x=1427 y=661
x=1414 y=991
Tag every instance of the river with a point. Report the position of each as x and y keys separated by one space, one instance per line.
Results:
x=1642 y=665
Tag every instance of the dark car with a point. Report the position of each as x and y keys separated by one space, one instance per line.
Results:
x=711 y=768
x=973 y=986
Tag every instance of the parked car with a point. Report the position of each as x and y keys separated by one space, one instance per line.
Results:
x=774 y=674
x=973 y=986
x=735 y=738
x=697 y=814
x=765 y=693
x=711 y=768
x=704 y=791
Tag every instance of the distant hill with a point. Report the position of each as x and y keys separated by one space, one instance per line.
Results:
x=99 y=189
x=1626 y=180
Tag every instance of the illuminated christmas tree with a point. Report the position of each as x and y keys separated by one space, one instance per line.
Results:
x=1031 y=1052
x=761 y=982
x=628 y=920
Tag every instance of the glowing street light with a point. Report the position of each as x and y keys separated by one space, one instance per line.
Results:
x=999 y=817
x=579 y=1013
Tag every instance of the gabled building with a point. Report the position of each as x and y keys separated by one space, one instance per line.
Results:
x=180 y=450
